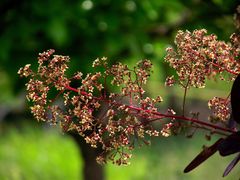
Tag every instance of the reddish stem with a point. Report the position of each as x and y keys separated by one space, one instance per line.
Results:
x=161 y=115
x=72 y=89
x=228 y=70
x=185 y=119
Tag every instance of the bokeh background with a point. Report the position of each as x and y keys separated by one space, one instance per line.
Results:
x=122 y=30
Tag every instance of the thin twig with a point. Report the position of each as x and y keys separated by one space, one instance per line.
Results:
x=161 y=115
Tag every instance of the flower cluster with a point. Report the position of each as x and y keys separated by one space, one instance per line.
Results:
x=220 y=109
x=118 y=120
x=198 y=56
x=115 y=121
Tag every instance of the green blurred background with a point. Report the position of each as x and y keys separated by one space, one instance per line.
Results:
x=122 y=30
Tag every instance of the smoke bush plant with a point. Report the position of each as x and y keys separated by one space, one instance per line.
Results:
x=120 y=120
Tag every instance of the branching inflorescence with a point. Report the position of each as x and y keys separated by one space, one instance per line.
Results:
x=117 y=121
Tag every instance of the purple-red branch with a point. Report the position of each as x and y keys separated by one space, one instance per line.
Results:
x=161 y=115
x=228 y=70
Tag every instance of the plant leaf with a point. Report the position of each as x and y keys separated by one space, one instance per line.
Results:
x=230 y=145
x=231 y=165
x=203 y=155
x=235 y=99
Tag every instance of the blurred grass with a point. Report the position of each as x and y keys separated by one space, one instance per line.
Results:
x=213 y=88
x=33 y=153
